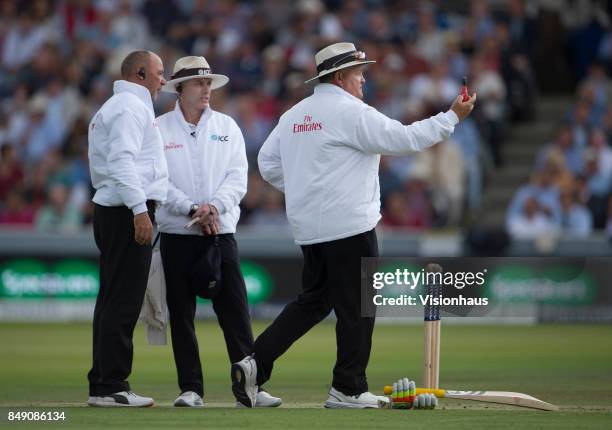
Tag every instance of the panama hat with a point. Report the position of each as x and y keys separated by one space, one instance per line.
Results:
x=338 y=56
x=193 y=67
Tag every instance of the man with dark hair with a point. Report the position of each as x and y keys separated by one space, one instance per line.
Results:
x=128 y=170
x=324 y=155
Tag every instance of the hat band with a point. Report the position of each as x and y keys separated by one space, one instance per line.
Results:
x=338 y=60
x=183 y=73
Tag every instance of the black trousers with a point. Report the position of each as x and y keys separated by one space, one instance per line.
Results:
x=331 y=279
x=124 y=272
x=179 y=253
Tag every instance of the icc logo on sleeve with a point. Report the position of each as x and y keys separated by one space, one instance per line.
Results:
x=219 y=138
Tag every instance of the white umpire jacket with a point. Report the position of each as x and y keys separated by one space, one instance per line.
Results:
x=126 y=158
x=208 y=166
x=324 y=155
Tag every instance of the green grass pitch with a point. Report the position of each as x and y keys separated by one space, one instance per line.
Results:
x=43 y=367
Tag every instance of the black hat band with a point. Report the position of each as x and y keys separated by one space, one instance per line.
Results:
x=200 y=71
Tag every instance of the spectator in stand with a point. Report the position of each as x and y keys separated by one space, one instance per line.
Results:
x=35 y=186
x=274 y=65
x=430 y=42
x=531 y=222
x=576 y=220
x=544 y=190
x=399 y=212
x=443 y=169
x=414 y=63
x=580 y=119
x=604 y=51
x=600 y=146
x=481 y=19
x=596 y=90
x=16 y=211
x=467 y=136
x=22 y=41
x=15 y=109
x=128 y=26
x=162 y=16
x=395 y=212
x=63 y=104
x=11 y=170
x=434 y=89
x=46 y=65
x=562 y=178
x=490 y=49
x=581 y=190
x=459 y=64
x=598 y=172
x=420 y=207
x=564 y=145
x=586 y=22
x=58 y=216
x=42 y=134
x=518 y=75
x=522 y=28
x=491 y=91
x=8 y=14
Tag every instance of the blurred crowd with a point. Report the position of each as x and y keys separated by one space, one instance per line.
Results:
x=571 y=189
x=58 y=60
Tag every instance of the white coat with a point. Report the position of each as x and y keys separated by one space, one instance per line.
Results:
x=208 y=166
x=324 y=154
x=126 y=158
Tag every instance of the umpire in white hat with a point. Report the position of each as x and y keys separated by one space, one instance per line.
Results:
x=208 y=168
x=324 y=155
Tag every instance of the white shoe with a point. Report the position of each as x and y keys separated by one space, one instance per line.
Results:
x=120 y=399
x=264 y=400
x=364 y=400
x=244 y=381
x=189 y=399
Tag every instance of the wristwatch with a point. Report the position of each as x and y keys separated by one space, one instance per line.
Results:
x=193 y=209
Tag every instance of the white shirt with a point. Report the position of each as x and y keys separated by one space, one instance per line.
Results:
x=126 y=158
x=324 y=154
x=523 y=227
x=209 y=166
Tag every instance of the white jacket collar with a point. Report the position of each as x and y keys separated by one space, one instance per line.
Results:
x=139 y=91
x=334 y=89
x=181 y=118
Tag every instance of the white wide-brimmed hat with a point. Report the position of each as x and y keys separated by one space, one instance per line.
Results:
x=193 y=67
x=338 y=56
